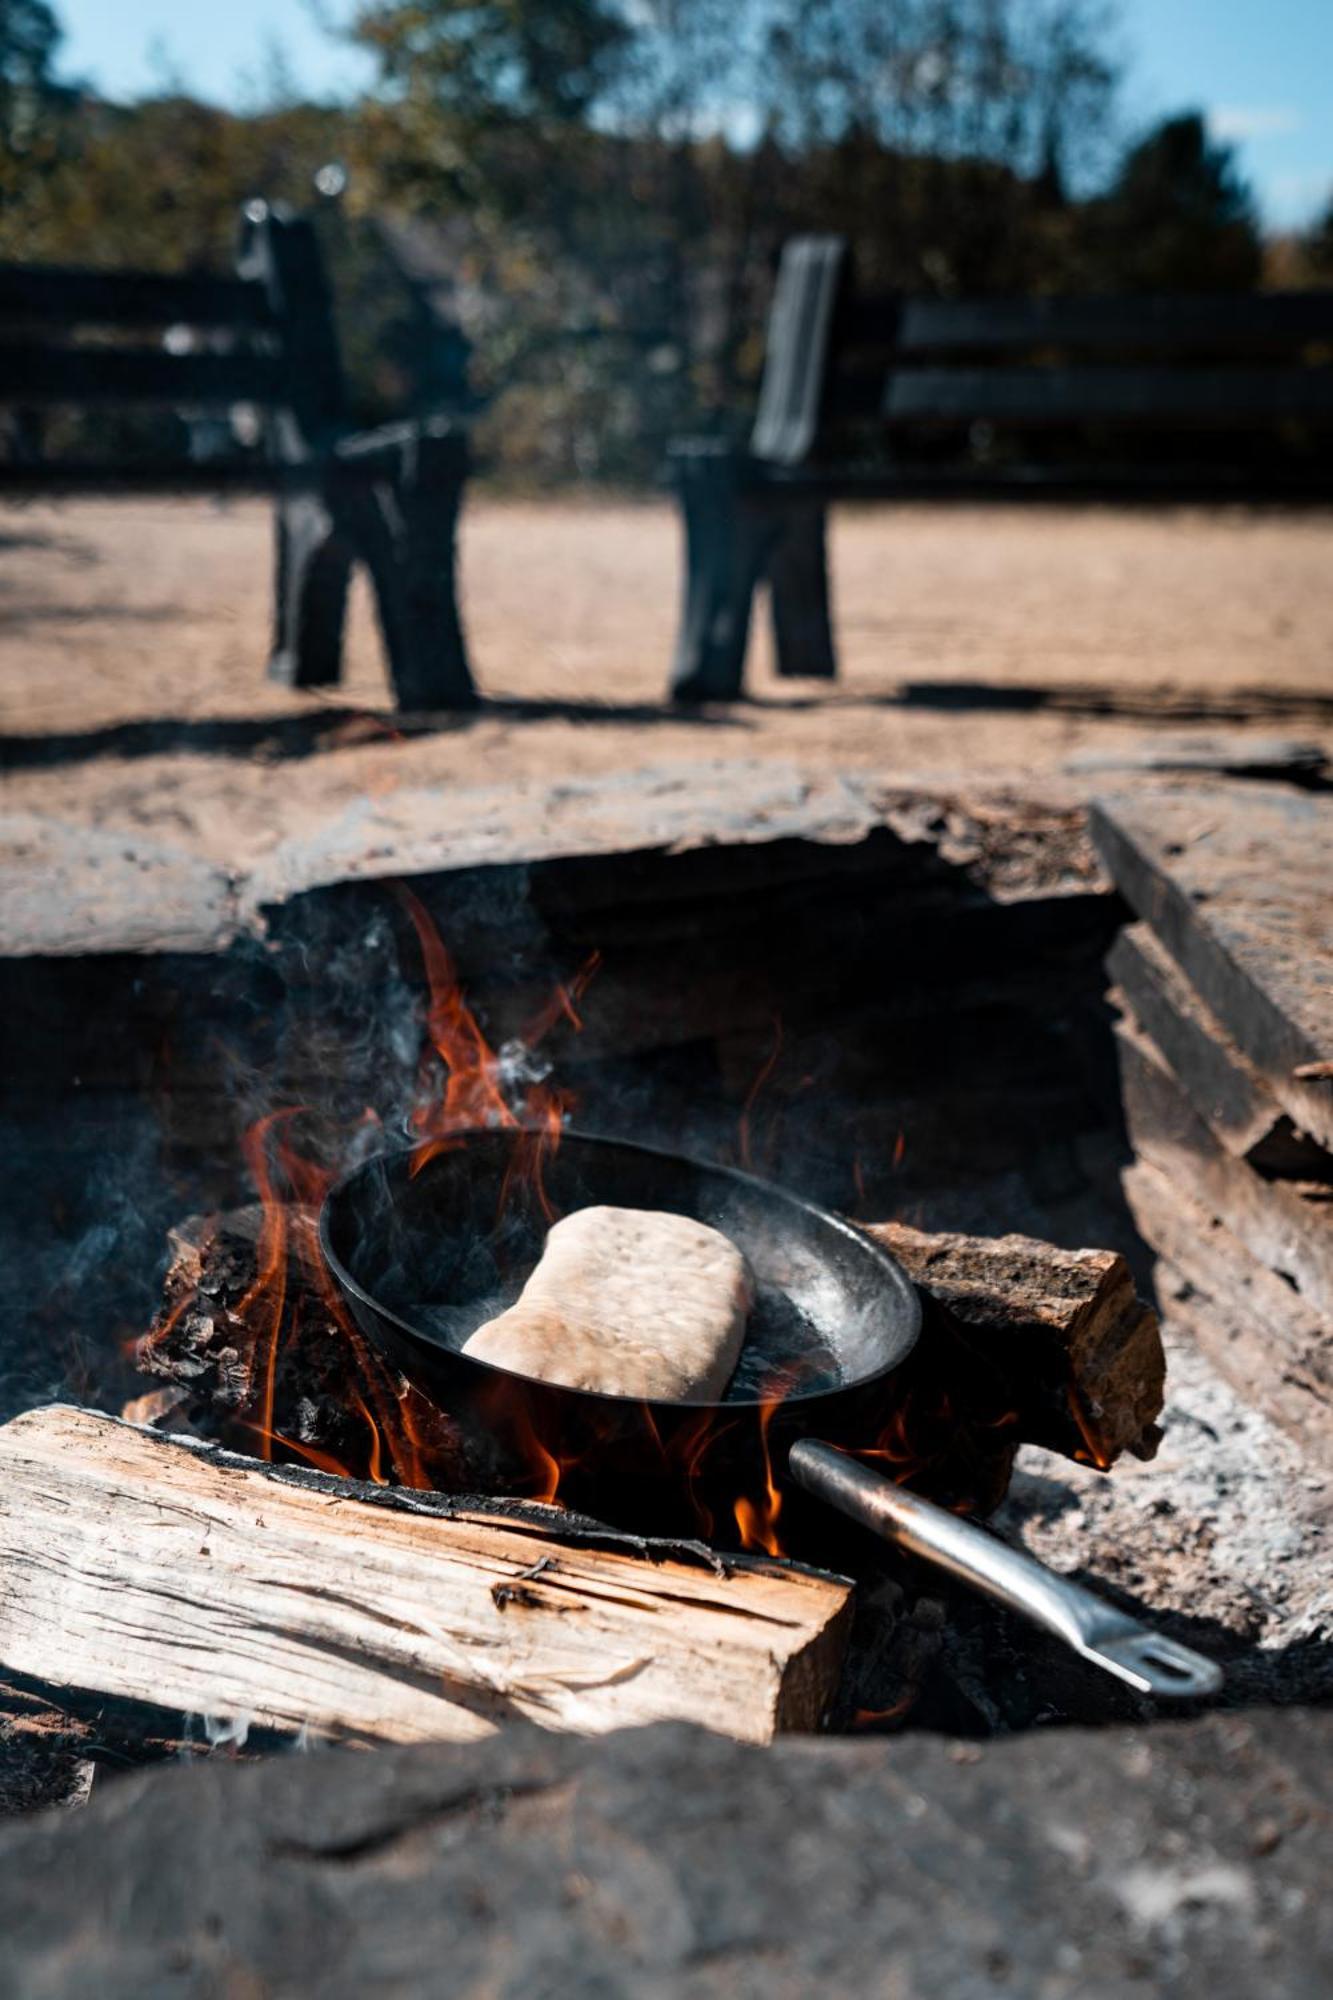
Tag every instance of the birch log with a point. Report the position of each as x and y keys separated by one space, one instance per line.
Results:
x=147 y=1568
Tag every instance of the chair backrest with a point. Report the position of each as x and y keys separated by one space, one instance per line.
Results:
x=840 y=366
x=86 y=338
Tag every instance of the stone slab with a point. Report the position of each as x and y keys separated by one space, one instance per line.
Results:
x=670 y=832
x=1012 y=846
x=1263 y=1337
x=1287 y=1226
x=67 y=891
x=1224 y=1087
x=1237 y=882
x=1235 y=753
x=1173 y=1859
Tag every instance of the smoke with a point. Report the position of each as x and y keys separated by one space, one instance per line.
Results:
x=133 y=1081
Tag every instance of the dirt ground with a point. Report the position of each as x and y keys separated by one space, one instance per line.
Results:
x=133 y=637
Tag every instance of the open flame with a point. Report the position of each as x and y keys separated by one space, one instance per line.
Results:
x=463 y=1085
x=291 y=1186
x=396 y=1434
x=757 y=1520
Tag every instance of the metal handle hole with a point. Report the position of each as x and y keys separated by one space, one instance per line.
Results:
x=1155 y=1656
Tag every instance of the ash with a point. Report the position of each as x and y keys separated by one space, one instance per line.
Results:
x=1231 y=1519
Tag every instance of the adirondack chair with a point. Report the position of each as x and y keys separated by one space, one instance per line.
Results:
x=863 y=398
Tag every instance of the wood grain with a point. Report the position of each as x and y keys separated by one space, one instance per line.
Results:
x=148 y=1568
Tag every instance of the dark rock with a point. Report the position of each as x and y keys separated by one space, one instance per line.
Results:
x=1176 y=1859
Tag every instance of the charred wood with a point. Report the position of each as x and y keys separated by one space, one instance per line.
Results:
x=1078 y=1352
x=1023 y=1342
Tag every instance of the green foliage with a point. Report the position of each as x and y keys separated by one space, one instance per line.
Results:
x=157 y=184
x=487 y=62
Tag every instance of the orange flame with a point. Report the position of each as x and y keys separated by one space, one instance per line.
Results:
x=267 y=1296
x=757 y=1520
x=473 y=1095
x=464 y=1087
x=1093 y=1451
x=870 y=1718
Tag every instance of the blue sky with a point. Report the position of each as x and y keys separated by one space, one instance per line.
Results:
x=1263 y=69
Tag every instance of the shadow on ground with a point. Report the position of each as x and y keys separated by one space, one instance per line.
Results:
x=337 y=726
x=332 y=728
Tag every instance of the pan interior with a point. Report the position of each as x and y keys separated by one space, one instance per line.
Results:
x=443 y=1250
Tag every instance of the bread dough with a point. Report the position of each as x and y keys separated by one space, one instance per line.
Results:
x=627 y=1302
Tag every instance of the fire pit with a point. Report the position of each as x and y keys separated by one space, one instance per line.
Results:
x=747 y=1006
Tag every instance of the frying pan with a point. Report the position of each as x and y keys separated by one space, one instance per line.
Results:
x=424 y=1253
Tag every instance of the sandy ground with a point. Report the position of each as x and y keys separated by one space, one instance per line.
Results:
x=133 y=636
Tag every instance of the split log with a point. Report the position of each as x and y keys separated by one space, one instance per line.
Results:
x=156 y=1570
x=1276 y=1352
x=1286 y=1225
x=1080 y=1353
x=1222 y=1084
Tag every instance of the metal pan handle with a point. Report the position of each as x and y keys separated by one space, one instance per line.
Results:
x=1109 y=1638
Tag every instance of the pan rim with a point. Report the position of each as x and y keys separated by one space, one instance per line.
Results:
x=394 y=1158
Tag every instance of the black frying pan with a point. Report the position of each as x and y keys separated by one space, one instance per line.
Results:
x=423 y=1258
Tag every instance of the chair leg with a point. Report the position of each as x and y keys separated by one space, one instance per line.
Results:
x=727 y=541
x=799 y=586
x=313 y=563
x=406 y=531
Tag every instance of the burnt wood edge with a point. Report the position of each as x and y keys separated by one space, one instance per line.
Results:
x=552 y=1521
x=73 y=1724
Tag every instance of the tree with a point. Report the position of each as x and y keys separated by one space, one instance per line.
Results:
x=33 y=105
x=1179 y=216
x=1317 y=247
x=29 y=38
x=487 y=62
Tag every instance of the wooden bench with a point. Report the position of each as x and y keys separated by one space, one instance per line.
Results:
x=203 y=344
x=1138 y=399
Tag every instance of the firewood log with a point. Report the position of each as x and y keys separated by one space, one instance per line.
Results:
x=158 y=1570
x=1080 y=1353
